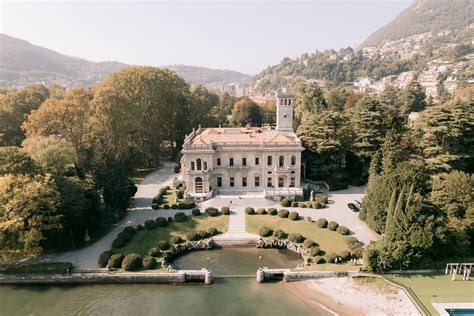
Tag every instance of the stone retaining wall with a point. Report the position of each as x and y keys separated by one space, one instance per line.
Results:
x=282 y=244
x=180 y=249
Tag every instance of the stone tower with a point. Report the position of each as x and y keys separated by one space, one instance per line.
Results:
x=284 y=105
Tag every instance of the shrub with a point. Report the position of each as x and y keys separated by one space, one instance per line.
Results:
x=330 y=258
x=185 y=205
x=180 y=194
x=295 y=237
x=196 y=212
x=163 y=244
x=351 y=240
x=294 y=204
x=357 y=253
x=272 y=211
x=280 y=234
x=294 y=216
x=202 y=234
x=286 y=202
x=283 y=213
x=118 y=243
x=155 y=206
x=154 y=252
x=314 y=251
x=249 y=211
x=132 y=262
x=140 y=227
x=124 y=236
x=130 y=230
x=308 y=243
x=322 y=223
x=191 y=236
x=302 y=205
x=176 y=240
x=211 y=211
x=261 y=211
x=180 y=217
x=333 y=226
x=345 y=255
x=104 y=258
x=115 y=261
x=161 y=222
x=343 y=230
x=174 y=206
x=149 y=263
x=264 y=231
x=355 y=245
x=170 y=219
x=166 y=206
x=167 y=188
x=163 y=191
x=212 y=231
x=321 y=198
x=318 y=205
x=150 y=224
x=318 y=260
x=225 y=210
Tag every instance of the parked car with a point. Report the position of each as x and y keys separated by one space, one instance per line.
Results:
x=353 y=207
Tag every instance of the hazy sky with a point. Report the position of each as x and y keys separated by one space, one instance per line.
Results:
x=245 y=35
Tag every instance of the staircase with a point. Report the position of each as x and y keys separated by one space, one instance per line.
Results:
x=236 y=236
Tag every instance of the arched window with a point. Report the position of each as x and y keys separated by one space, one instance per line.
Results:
x=198 y=164
x=269 y=161
x=281 y=161
x=293 y=160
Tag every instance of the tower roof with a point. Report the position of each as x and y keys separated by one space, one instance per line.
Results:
x=285 y=95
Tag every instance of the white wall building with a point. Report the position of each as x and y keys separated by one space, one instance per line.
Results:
x=234 y=161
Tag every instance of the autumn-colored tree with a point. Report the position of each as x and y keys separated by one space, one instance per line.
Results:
x=246 y=112
x=309 y=99
x=13 y=160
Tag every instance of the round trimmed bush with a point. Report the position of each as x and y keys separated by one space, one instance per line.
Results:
x=170 y=219
x=286 y=202
x=249 y=211
x=294 y=204
x=225 y=210
x=295 y=237
x=140 y=227
x=174 y=206
x=280 y=234
x=149 y=263
x=104 y=258
x=333 y=226
x=355 y=245
x=180 y=217
x=264 y=231
x=154 y=252
x=294 y=216
x=131 y=262
x=196 y=212
x=261 y=211
x=191 y=236
x=202 y=234
x=314 y=251
x=345 y=255
x=118 y=243
x=322 y=223
x=321 y=198
x=155 y=206
x=163 y=244
x=357 y=253
x=180 y=194
x=272 y=211
x=318 y=260
x=161 y=222
x=125 y=236
x=176 y=240
x=115 y=261
x=351 y=240
x=302 y=205
x=150 y=224
x=283 y=213
x=308 y=243
x=330 y=258
x=343 y=230
x=167 y=188
x=166 y=206
x=211 y=211
x=130 y=230
x=212 y=231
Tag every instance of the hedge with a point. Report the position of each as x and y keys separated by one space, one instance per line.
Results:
x=163 y=244
x=272 y=211
x=280 y=234
x=294 y=216
x=196 y=212
x=186 y=205
x=261 y=211
x=115 y=261
x=149 y=263
x=212 y=231
x=180 y=217
x=124 y=236
x=249 y=211
x=283 y=213
x=211 y=211
x=176 y=240
x=314 y=251
x=343 y=230
x=154 y=252
x=174 y=206
x=150 y=224
x=264 y=231
x=333 y=226
x=131 y=262
x=308 y=243
x=286 y=202
x=191 y=236
x=295 y=237
x=104 y=258
x=225 y=210
x=161 y=222
x=118 y=243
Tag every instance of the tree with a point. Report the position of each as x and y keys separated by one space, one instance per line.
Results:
x=309 y=99
x=204 y=110
x=246 y=112
x=15 y=161
x=336 y=98
x=392 y=152
x=391 y=97
x=269 y=112
x=412 y=99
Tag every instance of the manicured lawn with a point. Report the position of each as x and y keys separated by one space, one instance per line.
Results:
x=138 y=175
x=170 y=197
x=437 y=288
x=38 y=268
x=143 y=240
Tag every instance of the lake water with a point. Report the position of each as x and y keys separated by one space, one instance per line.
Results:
x=227 y=296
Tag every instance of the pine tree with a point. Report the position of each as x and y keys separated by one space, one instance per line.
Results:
x=392 y=153
x=389 y=225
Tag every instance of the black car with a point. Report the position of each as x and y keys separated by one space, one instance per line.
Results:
x=353 y=207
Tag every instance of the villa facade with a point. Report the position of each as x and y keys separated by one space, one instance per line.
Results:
x=235 y=161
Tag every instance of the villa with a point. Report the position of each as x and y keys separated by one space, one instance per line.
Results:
x=242 y=160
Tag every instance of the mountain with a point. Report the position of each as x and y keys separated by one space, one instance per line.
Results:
x=425 y=16
x=22 y=63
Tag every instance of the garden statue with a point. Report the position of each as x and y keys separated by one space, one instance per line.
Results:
x=312 y=196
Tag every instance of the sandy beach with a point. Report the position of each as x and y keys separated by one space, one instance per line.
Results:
x=344 y=296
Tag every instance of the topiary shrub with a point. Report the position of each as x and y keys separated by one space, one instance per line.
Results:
x=294 y=204
x=174 y=206
x=150 y=224
x=176 y=240
x=318 y=260
x=196 y=212
x=149 y=263
x=191 y=236
x=125 y=236
x=272 y=211
x=343 y=230
x=295 y=237
x=345 y=255
x=115 y=261
x=185 y=205
x=314 y=251
x=264 y=231
x=321 y=198
x=351 y=240
x=261 y=211
x=140 y=227
x=279 y=234
x=308 y=243
x=355 y=245
x=132 y=262
x=212 y=231
x=302 y=205
x=104 y=258
x=357 y=253
x=211 y=211
x=283 y=213
x=163 y=245
x=318 y=205
x=286 y=202
x=333 y=226
x=180 y=194
x=161 y=222
x=130 y=230
x=202 y=234
x=154 y=252
x=249 y=211
x=330 y=258
x=294 y=216
x=322 y=223
x=180 y=217
x=166 y=206
x=155 y=206
x=118 y=243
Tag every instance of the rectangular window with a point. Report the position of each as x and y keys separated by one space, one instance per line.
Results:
x=231 y=181
x=257 y=161
x=269 y=172
x=205 y=165
x=244 y=161
x=244 y=181
x=257 y=181
x=219 y=182
x=269 y=182
x=293 y=172
x=292 y=182
x=192 y=165
x=231 y=161
x=218 y=161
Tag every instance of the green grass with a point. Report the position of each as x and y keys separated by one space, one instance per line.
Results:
x=143 y=240
x=138 y=175
x=38 y=268
x=437 y=288
x=329 y=241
